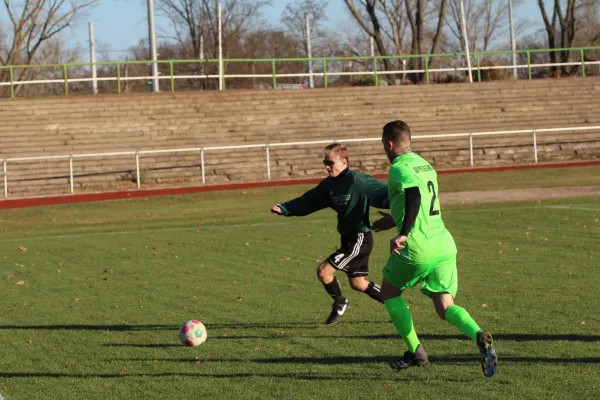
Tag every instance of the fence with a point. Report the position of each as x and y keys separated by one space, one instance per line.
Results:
x=326 y=71
x=267 y=146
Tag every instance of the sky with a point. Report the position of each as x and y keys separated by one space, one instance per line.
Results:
x=121 y=24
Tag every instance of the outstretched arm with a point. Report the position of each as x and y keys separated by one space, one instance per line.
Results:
x=308 y=203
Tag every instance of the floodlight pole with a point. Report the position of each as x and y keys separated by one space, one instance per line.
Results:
x=513 y=41
x=152 y=47
x=311 y=82
x=464 y=31
x=93 y=59
x=220 y=22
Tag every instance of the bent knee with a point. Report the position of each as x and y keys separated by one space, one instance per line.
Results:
x=359 y=285
x=325 y=270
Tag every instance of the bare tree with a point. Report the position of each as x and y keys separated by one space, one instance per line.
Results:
x=486 y=21
x=588 y=27
x=365 y=14
x=33 y=23
x=386 y=21
x=416 y=16
x=196 y=22
x=293 y=18
x=561 y=28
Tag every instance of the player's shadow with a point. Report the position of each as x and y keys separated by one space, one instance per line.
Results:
x=288 y=325
x=307 y=376
x=462 y=359
x=515 y=337
x=81 y=327
x=346 y=360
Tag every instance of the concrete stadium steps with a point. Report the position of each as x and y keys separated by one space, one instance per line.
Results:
x=137 y=122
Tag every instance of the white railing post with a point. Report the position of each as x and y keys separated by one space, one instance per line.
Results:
x=535 y=155
x=71 y=173
x=268 y=163
x=137 y=169
x=5 y=180
x=471 y=148
x=202 y=165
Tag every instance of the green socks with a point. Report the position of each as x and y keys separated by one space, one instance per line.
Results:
x=398 y=311
x=460 y=318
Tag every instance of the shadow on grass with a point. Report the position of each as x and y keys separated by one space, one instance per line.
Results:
x=283 y=325
x=345 y=360
x=516 y=337
x=77 y=327
x=307 y=376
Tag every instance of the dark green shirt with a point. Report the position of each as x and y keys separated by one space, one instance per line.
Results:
x=349 y=194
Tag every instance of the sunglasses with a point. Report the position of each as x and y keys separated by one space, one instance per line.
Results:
x=330 y=163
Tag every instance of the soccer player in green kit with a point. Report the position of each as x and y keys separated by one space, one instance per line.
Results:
x=423 y=252
x=349 y=194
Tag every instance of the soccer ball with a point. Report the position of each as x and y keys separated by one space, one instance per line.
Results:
x=192 y=333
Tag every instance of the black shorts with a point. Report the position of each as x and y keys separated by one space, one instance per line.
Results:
x=353 y=255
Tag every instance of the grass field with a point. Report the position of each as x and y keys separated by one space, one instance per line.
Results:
x=93 y=295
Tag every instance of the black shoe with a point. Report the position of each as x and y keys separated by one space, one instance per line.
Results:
x=416 y=359
x=337 y=310
x=489 y=359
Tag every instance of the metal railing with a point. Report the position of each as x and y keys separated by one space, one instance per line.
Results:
x=325 y=63
x=268 y=146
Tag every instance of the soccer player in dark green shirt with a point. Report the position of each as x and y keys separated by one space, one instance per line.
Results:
x=423 y=252
x=349 y=194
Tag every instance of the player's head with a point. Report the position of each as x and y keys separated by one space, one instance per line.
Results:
x=335 y=159
x=396 y=139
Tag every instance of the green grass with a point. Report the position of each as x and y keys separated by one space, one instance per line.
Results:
x=93 y=295
x=519 y=179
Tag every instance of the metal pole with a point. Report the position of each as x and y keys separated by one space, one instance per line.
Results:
x=535 y=156
x=93 y=60
x=471 y=148
x=201 y=57
x=71 y=173
x=137 y=169
x=372 y=45
x=311 y=82
x=202 y=165
x=5 y=181
x=464 y=32
x=220 y=48
x=268 y=164
x=513 y=42
x=152 y=43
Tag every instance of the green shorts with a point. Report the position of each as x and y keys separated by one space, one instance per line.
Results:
x=436 y=277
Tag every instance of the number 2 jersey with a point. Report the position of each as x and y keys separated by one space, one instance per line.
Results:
x=349 y=194
x=429 y=240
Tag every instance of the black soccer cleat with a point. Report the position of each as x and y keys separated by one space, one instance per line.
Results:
x=489 y=359
x=337 y=310
x=416 y=359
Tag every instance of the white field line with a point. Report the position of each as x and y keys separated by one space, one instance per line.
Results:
x=575 y=208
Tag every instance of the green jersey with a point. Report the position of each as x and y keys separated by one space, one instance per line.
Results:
x=428 y=240
x=349 y=194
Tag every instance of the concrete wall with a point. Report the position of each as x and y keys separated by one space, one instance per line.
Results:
x=99 y=124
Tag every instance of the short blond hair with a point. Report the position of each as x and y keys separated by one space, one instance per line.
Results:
x=337 y=149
